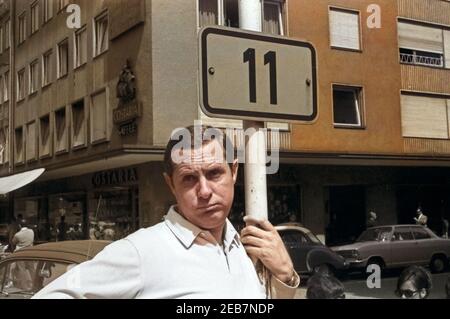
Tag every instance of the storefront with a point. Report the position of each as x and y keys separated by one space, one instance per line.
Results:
x=103 y=205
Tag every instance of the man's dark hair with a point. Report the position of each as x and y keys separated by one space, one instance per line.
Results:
x=197 y=137
x=418 y=276
x=324 y=286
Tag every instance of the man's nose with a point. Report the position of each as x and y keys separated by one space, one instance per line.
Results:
x=204 y=190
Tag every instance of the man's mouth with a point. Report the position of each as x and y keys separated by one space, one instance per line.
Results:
x=210 y=208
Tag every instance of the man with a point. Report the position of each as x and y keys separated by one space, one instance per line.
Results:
x=324 y=286
x=13 y=228
x=372 y=221
x=24 y=237
x=421 y=218
x=195 y=252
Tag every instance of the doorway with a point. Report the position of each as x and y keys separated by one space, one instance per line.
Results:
x=347 y=214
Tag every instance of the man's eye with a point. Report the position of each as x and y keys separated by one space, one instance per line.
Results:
x=189 y=179
x=214 y=173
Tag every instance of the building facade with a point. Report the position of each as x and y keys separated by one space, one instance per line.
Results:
x=95 y=102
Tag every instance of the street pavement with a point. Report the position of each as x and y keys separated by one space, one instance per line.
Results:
x=356 y=287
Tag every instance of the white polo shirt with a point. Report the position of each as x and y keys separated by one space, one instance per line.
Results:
x=173 y=259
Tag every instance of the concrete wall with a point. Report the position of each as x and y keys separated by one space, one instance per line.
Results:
x=175 y=64
x=375 y=68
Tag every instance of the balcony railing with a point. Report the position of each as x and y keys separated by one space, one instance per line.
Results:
x=422 y=60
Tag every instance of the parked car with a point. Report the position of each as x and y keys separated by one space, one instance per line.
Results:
x=25 y=272
x=308 y=253
x=397 y=246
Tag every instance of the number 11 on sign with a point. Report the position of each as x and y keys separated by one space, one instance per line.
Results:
x=269 y=58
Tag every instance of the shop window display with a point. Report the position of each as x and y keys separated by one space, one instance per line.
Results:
x=283 y=205
x=66 y=217
x=112 y=214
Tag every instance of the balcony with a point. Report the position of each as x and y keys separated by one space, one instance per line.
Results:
x=433 y=60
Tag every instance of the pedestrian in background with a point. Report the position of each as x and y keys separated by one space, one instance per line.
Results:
x=372 y=220
x=421 y=218
x=324 y=286
x=414 y=283
x=444 y=228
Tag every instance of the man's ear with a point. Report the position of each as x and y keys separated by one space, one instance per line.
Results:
x=169 y=183
x=234 y=170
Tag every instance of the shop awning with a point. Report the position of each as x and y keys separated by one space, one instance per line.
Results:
x=13 y=182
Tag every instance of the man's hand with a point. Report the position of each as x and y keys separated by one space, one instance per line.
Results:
x=266 y=245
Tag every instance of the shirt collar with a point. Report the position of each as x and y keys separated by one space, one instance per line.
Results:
x=186 y=232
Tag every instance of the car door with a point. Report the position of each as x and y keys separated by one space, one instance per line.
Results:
x=426 y=246
x=404 y=248
x=298 y=246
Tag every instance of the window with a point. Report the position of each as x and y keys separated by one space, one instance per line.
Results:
x=99 y=117
x=34 y=76
x=2 y=35
x=208 y=12
x=347 y=106
x=22 y=27
x=446 y=34
x=273 y=17
x=48 y=10
x=78 y=124
x=420 y=234
x=80 y=56
x=344 y=29
x=101 y=34
x=21 y=85
x=44 y=136
x=63 y=58
x=31 y=142
x=7 y=34
x=61 y=136
x=62 y=4
x=425 y=116
x=226 y=12
x=35 y=17
x=47 y=68
x=2 y=79
x=3 y=146
x=423 y=45
x=402 y=234
x=5 y=87
x=18 y=145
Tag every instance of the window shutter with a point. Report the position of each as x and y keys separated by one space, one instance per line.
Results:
x=272 y=18
x=208 y=12
x=424 y=117
x=418 y=37
x=447 y=48
x=344 y=29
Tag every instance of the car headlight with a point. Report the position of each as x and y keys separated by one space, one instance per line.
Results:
x=355 y=254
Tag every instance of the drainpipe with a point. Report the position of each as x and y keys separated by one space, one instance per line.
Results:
x=12 y=97
x=11 y=93
x=255 y=145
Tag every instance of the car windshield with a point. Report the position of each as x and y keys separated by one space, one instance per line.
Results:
x=313 y=238
x=375 y=234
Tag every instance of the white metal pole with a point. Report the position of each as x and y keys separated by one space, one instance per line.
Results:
x=255 y=145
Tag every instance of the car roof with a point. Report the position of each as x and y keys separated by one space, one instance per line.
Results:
x=403 y=225
x=76 y=251
x=288 y=226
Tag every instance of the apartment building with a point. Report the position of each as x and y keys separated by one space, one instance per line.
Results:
x=379 y=141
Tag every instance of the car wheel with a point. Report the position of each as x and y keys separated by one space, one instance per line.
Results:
x=438 y=264
x=324 y=269
x=375 y=261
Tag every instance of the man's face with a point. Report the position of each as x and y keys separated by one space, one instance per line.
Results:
x=203 y=186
